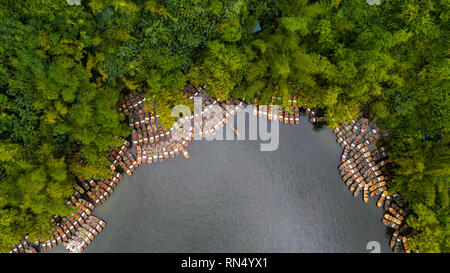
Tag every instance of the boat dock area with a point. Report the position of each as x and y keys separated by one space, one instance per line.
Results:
x=287 y=115
x=152 y=143
x=365 y=168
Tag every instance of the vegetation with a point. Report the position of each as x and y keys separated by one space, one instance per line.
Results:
x=62 y=69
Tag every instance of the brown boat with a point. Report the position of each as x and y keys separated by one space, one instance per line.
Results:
x=358 y=189
x=389 y=223
x=366 y=194
x=297 y=115
x=394 y=238
x=280 y=114
x=286 y=117
x=185 y=153
x=405 y=244
x=381 y=199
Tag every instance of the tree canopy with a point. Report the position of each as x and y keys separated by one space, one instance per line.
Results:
x=63 y=69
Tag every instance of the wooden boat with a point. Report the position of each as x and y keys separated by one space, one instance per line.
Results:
x=160 y=154
x=83 y=237
x=398 y=209
x=377 y=186
x=354 y=186
x=366 y=194
x=265 y=112
x=90 y=229
x=260 y=108
x=280 y=114
x=185 y=153
x=378 y=191
x=78 y=188
x=296 y=115
x=86 y=233
x=347 y=176
x=255 y=109
x=392 y=219
x=155 y=154
x=97 y=221
x=381 y=199
x=275 y=113
x=93 y=225
x=395 y=213
x=139 y=156
x=405 y=244
x=345 y=164
x=94 y=198
x=165 y=152
x=394 y=238
x=389 y=223
x=350 y=180
x=358 y=189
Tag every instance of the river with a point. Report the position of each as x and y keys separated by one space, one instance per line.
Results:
x=231 y=197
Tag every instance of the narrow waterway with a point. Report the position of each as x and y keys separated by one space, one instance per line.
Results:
x=231 y=197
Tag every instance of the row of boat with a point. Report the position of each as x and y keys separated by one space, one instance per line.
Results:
x=84 y=234
x=78 y=230
x=152 y=142
x=365 y=168
x=98 y=190
x=287 y=115
x=145 y=128
x=123 y=158
x=213 y=116
x=132 y=101
x=24 y=246
x=359 y=169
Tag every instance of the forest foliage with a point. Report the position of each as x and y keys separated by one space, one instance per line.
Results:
x=63 y=69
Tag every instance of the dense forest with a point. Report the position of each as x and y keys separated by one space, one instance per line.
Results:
x=63 y=69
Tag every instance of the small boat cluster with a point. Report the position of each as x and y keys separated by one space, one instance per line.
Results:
x=77 y=231
x=207 y=123
x=152 y=143
x=289 y=115
x=97 y=190
x=359 y=169
x=24 y=246
x=85 y=233
x=122 y=158
x=365 y=168
x=395 y=213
